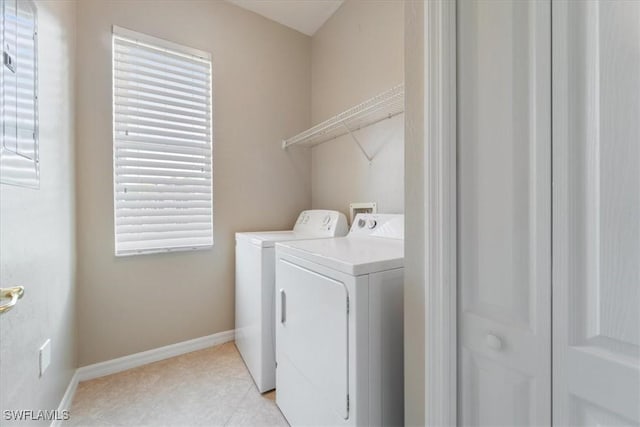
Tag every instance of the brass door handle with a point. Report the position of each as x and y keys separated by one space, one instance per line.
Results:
x=13 y=294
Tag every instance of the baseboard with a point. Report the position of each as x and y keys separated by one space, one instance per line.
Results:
x=65 y=403
x=120 y=364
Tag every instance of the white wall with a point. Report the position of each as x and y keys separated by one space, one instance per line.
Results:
x=37 y=248
x=357 y=54
x=261 y=94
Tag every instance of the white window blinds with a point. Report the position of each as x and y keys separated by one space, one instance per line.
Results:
x=19 y=94
x=162 y=139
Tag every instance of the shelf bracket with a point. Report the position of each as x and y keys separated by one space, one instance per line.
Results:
x=364 y=153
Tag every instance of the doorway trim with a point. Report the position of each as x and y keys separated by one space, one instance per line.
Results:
x=441 y=215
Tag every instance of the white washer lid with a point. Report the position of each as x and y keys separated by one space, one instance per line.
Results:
x=354 y=255
x=267 y=239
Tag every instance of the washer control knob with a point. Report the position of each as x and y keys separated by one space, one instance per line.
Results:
x=326 y=220
x=372 y=224
x=361 y=223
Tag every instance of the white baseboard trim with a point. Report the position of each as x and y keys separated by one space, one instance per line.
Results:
x=65 y=403
x=120 y=364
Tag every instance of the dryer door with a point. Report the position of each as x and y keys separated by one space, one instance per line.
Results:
x=312 y=345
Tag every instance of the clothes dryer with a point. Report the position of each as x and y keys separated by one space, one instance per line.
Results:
x=339 y=326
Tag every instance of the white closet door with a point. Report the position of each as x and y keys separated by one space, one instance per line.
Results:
x=504 y=54
x=596 y=219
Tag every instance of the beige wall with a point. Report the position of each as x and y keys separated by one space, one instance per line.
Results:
x=357 y=54
x=415 y=256
x=37 y=229
x=261 y=93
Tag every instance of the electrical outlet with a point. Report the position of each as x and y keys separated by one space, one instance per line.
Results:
x=45 y=356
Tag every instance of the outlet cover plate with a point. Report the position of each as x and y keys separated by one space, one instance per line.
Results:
x=45 y=356
x=363 y=207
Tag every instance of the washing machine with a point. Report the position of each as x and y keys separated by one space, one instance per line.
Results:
x=339 y=326
x=255 y=271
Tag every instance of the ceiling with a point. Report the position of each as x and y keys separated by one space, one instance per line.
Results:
x=306 y=16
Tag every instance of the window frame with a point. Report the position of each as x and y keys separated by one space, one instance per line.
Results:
x=173 y=49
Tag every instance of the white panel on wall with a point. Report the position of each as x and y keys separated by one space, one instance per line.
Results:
x=596 y=251
x=504 y=145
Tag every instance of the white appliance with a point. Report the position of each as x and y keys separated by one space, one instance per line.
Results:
x=339 y=326
x=255 y=271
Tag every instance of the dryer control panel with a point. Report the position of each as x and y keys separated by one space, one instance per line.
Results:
x=390 y=226
x=321 y=223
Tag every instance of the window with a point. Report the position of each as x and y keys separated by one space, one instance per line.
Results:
x=162 y=140
x=18 y=94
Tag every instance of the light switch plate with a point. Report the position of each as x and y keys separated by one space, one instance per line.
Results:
x=45 y=356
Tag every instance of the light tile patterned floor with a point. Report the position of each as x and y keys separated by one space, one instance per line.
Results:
x=209 y=387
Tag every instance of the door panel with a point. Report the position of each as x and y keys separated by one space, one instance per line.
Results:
x=596 y=104
x=511 y=390
x=312 y=334
x=504 y=145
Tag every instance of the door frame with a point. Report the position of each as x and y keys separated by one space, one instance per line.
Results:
x=441 y=362
x=431 y=197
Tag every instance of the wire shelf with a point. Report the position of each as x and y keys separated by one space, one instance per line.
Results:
x=383 y=106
